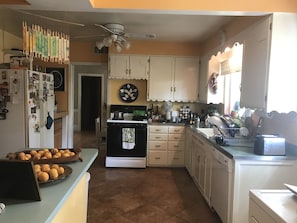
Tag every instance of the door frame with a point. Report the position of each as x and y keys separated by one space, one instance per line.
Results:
x=80 y=75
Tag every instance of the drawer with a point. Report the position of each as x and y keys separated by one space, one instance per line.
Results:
x=176 y=129
x=158 y=137
x=158 y=129
x=157 y=145
x=176 y=158
x=175 y=137
x=157 y=158
x=176 y=145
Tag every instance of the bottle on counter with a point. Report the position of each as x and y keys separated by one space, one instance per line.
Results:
x=197 y=122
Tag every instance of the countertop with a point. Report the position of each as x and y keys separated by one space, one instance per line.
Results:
x=52 y=196
x=167 y=123
x=280 y=205
x=246 y=150
x=60 y=114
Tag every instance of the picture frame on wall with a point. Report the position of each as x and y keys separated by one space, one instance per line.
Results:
x=59 y=77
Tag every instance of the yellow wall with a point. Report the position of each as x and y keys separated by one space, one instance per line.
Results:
x=85 y=52
x=231 y=29
x=115 y=85
x=201 y=5
x=154 y=47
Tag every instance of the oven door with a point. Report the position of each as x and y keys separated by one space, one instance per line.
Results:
x=126 y=139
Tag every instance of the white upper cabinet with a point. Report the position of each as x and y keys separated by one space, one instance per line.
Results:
x=269 y=64
x=254 y=65
x=128 y=66
x=173 y=78
x=160 y=78
x=186 y=79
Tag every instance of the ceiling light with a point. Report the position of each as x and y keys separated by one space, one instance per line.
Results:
x=126 y=44
x=99 y=45
x=118 y=47
x=107 y=41
x=118 y=41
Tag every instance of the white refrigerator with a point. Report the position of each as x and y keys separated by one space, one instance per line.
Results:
x=27 y=103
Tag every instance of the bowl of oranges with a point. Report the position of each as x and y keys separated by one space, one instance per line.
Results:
x=49 y=173
x=47 y=155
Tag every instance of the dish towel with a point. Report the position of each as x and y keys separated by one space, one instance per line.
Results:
x=128 y=138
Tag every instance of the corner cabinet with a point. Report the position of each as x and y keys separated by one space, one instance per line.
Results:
x=128 y=67
x=268 y=76
x=173 y=79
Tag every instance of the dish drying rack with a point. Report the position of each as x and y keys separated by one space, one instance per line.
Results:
x=232 y=137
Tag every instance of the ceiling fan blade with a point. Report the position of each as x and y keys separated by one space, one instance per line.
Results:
x=105 y=28
x=140 y=36
x=51 y=19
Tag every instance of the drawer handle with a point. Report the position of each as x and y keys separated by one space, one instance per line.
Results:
x=157 y=146
x=176 y=137
x=157 y=158
x=158 y=130
x=176 y=146
x=157 y=137
x=176 y=158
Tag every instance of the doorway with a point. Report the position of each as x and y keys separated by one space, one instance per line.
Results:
x=90 y=100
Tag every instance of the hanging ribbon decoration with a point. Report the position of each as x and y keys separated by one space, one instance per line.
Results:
x=45 y=44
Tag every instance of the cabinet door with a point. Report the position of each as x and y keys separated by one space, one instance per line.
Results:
x=188 y=151
x=160 y=86
x=208 y=171
x=186 y=79
x=196 y=160
x=139 y=67
x=118 y=66
x=203 y=85
x=255 y=65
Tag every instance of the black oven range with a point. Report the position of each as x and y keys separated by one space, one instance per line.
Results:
x=126 y=137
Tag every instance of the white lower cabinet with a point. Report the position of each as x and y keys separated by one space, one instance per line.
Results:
x=202 y=165
x=272 y=206
x=188 y=150
x=245 y=175
x=165 y=145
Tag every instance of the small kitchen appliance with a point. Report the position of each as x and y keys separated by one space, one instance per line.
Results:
x=174 y=116
x=270 y=145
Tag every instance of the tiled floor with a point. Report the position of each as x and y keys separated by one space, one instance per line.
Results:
x=122 y=195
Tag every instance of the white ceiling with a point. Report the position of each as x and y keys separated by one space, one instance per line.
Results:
x=167 y=25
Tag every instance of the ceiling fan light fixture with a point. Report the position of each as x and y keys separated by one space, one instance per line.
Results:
x=107 y=41
x=99 y=44
x=118 y=47
x=126 y=44
x=114 y=37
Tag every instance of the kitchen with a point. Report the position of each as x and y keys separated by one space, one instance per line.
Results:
x=168 y=52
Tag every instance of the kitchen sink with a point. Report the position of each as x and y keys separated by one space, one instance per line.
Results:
x=207 y=132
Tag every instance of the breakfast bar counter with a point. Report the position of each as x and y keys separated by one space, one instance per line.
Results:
x=59 y=201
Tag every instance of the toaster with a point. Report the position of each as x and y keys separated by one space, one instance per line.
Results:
x=270 y=145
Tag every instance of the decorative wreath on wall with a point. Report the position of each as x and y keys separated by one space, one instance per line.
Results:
x=213 y=83
x=128 y=92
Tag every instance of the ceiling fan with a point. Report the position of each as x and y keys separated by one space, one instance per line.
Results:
x=118 y=37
